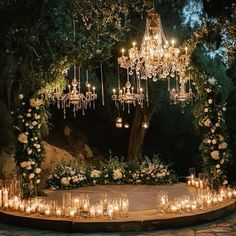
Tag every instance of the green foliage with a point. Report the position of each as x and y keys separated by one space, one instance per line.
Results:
x=28 y=120
x=210 y=121
x=113 y=171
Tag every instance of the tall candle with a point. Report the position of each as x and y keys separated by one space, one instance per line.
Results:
x=0 y=197
x=5 y=196
x=92 y=212
x=28 y=210
x=58 y=212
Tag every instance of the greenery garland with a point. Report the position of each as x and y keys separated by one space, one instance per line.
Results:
x=114 y=171
x=28 y=121
x=214 y=149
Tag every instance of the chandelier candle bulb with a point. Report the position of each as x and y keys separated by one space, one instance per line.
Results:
x=123 y=51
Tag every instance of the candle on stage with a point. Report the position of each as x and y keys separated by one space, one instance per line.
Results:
x=21 y=207
x=5 y=197
x=28 y=210
x=0 y=197
x=16 y=203
x=47 y=212
x=92 y=212
x=72 y=213
x=58 y=212
x=110 y=212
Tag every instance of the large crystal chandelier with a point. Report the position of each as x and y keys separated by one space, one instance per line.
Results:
x=157 y=58
x=183 y=93
x=128 y=95
x=74 y=97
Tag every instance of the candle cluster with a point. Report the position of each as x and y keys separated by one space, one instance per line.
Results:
x=201 y=182
x=203 y=200
x=72 y=206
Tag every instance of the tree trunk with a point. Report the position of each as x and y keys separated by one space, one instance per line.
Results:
x=137 y=134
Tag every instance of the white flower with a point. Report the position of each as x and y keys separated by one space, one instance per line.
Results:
x=23 y=138
x=224 y=108
x=117 y=174
x=34 y=123
x=208 y=141
x=28 y=115
x=72 y=173
x=222 y=162
x=207 y=123
x=37 y=170
x=31 y=126
x=38 y=146
x=65 y=181
x=37 y=181
x=223 y=145
x=20 y=96
x=208 y=90
x=215 y=155
x=29 y=151
x=210 y=101
x=206 y=109
x=212 y=80
x=217 y=124
x=95 y=174
x=214 y=141
x=213 y=130
x=31 y=176
x=26 y=124
x=225 y=182
x=218 y=166
x=28 y=167
x=24 y=164
x=159 y=175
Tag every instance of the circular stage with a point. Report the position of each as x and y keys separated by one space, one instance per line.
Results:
x=142 y=214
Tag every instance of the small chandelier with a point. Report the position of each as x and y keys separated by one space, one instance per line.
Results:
x=183 y=93
x=157 y=58
x=128 y=95
x=75 y=98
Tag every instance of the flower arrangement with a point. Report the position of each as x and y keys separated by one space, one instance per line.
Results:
x=214 y=148
x=28 y=120
x=114 y=171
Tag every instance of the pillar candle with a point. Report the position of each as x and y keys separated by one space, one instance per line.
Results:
x=0 y=198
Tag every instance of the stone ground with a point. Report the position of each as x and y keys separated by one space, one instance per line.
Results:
x=222 y=227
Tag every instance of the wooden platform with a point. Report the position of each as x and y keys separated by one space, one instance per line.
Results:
x=142 y=214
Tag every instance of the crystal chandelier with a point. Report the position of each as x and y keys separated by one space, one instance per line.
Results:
x=157 y=58
x=183 y=93
x=74 y=97
x=128 y=95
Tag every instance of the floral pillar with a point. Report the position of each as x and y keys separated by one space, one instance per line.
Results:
x=28 y=155
x=214 y=148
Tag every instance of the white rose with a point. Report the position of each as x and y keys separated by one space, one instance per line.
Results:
x=208 y=90
x=28 y=115
x=224 y=109
x=23 y=138
x=20 y=96
x=38 y=146
x=31 y=176
x=215 y=155
x=223 y=145
x=117 y=174
x=37 y=181
x=221 y=138
x=207 y=123
x=214 y=141
x=206 y=110
x=65 y=181
x=218 y=166
x=72 y=173
x=212 y=80
x=37 y=170
x=213 y=130
x=210 y=101
x=225 y=182
x=217 y=124
x=222 y=162
x=29 y=151
x=34 y=123
x=28 y=167
x=208 y=141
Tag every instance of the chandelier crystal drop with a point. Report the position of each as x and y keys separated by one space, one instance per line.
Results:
x=128 y=95
x=157 y=59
